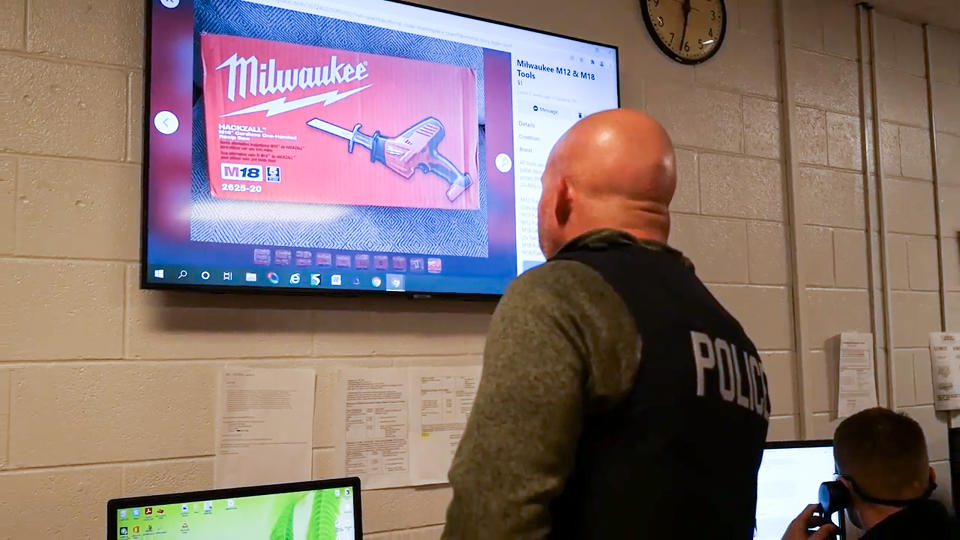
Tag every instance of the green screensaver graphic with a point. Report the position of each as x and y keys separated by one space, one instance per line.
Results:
x=306 y=515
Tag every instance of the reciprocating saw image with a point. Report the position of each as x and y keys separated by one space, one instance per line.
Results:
x=415 y=148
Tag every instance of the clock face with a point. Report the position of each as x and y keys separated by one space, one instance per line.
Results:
x=688 y=31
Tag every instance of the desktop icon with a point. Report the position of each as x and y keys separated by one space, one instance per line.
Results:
x=434 y=266
x=207 y=507
x=272 y=277
x=148 y=529
x=231 y=504
x=336 y=493
x=160 y=511
x=295 y=279
x=336 y=279
x=204 y=275
x=356 y=282
x=346 y=491
x=395 y=282
x=184 y=508
x=148 y=511
x=123 y=531
x=376 y=281
x=123 y=514
x=185 y=526
x=417 y=264
x=135 y=512
x=158 y=273
x=228 y=276
x=251 y=277
x=136 y=529
x=314 y=280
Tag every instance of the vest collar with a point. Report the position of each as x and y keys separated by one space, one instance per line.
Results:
x=603 y=239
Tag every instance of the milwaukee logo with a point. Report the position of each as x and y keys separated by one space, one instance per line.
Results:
x=259 y=78
x=262 y=79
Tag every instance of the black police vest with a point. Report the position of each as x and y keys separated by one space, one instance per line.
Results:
x=678 y=458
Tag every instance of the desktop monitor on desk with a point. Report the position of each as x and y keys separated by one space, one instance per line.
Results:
x=321 y=510
x=789 y=479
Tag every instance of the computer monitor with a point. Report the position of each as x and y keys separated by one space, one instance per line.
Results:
x=789 y=479
x=369 y=146
x=321 y=509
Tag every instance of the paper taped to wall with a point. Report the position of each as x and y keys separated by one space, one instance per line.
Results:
x=858 y=386
x=401 y=426
x=442 y=399
x=264 y=426
x=945 y=363
x=375 y=444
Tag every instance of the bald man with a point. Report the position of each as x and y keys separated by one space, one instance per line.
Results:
x=618 y=398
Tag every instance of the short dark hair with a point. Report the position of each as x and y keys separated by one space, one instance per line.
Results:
x=884 y=452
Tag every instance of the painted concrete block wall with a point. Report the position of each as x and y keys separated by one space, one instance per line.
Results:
x=105 y=390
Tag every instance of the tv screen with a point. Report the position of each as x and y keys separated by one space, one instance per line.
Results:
x=370 y=145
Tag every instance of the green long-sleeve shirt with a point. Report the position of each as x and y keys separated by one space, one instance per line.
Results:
x=561 y=344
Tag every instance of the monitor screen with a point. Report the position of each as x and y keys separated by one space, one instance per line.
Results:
x=370 y=145
x=330 y=513
x=789 y=480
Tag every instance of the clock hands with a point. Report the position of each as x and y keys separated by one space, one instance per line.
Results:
x=686 y=19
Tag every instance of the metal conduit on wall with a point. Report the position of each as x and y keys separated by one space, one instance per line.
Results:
x=803 y=379
x=888 y=347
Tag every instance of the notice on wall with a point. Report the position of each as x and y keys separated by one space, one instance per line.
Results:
x=375 y=444
x=264 y=430
x=945 y=363
x=858 y=386
x=442 y=399
x=401 y=426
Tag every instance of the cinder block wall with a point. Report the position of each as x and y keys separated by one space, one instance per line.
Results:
x=107 y=390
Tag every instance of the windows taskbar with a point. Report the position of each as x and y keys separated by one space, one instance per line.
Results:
x=325 y=279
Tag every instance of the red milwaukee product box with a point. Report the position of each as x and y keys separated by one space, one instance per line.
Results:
x=303 y=124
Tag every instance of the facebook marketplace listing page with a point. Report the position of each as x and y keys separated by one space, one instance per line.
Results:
x=401 y=148
x=552 y=90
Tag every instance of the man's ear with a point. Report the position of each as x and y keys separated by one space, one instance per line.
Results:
x=564 y=201
x=846 y=483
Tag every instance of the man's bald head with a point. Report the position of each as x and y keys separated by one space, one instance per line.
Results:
x=613 y=169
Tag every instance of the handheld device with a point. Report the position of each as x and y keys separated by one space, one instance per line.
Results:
x=321 y=509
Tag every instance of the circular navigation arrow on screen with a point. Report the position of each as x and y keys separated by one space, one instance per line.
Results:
x=166 y=122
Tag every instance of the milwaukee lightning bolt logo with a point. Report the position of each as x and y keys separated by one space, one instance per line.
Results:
x=250 y=76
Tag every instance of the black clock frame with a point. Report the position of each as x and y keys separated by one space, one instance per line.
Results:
x=648 y=22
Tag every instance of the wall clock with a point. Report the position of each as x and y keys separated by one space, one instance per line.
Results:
x=688 y=31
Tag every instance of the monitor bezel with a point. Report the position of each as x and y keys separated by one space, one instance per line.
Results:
x=809 y=443
x=146 y=284
x=113 y=505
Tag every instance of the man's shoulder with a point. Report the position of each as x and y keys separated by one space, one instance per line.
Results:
x=557 y=280
x=927 y=520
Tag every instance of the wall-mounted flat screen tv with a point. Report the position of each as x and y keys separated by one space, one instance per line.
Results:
x=361 y=146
